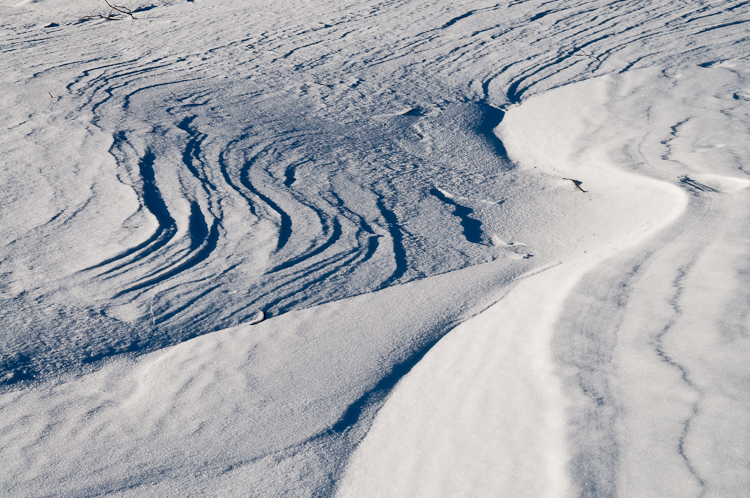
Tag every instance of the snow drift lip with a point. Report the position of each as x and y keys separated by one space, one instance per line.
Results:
x=353 y=414
x=285 y=227
x=472 y=227
x=153 y=202
x=203 y=242
x=491 y=117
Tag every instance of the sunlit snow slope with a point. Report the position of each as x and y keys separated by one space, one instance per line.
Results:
x=558 y=186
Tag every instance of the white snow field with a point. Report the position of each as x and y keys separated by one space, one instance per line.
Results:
x=383 y=248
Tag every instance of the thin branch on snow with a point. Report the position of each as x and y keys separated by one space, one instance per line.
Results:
x=590 y=56
x=113 y=8
x=576 y=183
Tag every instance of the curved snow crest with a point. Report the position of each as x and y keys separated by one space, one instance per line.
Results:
x=610 y=396
x=573 y=134
x=267 y=404
x=486 y=410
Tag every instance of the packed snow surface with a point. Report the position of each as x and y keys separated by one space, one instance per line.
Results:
x=379 y=248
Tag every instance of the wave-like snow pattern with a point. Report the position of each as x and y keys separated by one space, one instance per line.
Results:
x=289 y=161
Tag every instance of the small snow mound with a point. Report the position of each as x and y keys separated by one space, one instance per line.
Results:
x=497 y=241
x=518 y=256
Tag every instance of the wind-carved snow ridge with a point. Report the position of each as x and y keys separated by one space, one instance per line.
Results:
x=241 y=244
x=185 y=110
x=333 y=231
x=509 y=345
x=617 y=313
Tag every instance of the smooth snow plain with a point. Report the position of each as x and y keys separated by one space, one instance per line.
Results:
x=375 y=248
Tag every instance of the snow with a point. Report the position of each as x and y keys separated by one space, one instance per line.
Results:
x=376 y=248
x=485 y=410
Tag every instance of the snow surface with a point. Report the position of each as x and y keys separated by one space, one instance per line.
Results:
x=375 y=248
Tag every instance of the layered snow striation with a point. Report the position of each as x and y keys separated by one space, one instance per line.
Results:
x=222 y=200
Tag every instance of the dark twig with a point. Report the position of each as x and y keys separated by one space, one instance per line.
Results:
x=112 y=8
x=576 y=183
x=590 y=56
x=120 y=9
